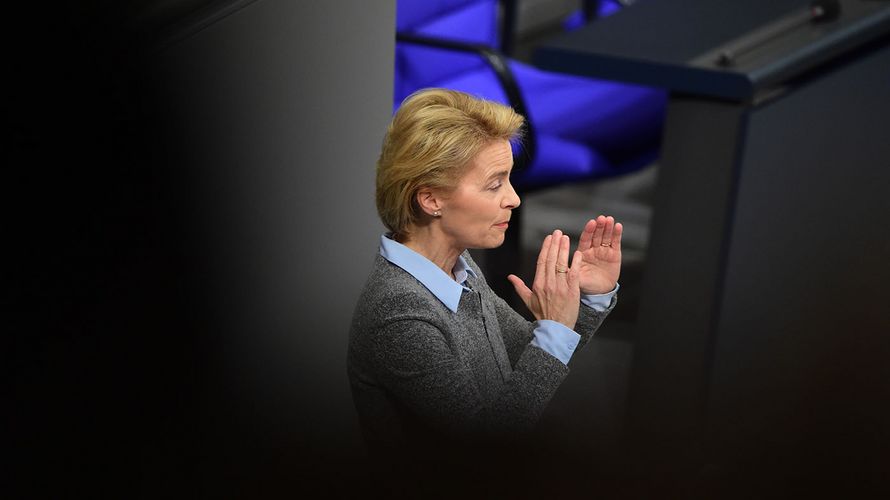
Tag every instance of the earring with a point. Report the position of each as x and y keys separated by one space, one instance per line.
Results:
x=437 y=214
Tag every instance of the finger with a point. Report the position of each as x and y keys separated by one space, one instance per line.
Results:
x=552 y=255
x=521 y=289
x=574 y=275
x=562 y=261
x=541 y=269
x=616 y=235
x=597 y=239
x=587 y=235
x=607 y=231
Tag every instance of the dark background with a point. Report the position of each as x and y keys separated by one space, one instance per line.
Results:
x=188 y=220
x=188 y=199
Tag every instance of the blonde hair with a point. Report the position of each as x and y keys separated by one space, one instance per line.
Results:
x=431 y=140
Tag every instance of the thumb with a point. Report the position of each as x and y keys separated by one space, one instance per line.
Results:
x=523 y=291
x=575 y=270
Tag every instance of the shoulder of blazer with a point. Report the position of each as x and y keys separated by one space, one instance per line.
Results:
x=392 y=294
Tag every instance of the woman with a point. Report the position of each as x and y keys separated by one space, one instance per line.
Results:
x=434 y=355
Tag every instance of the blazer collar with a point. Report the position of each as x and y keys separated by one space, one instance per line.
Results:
x=447 y=290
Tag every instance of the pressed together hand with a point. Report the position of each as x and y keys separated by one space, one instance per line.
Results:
x=595 y=267
x=555 y=293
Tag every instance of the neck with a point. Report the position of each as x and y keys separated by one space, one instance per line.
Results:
x=426 y=242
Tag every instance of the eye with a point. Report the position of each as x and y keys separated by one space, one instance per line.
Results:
x=495 y=186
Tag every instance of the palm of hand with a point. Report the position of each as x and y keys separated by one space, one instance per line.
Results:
x=600 y=247
x=600 y=269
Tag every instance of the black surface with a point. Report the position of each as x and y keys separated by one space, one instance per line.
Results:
x=800 y=384
x=760 y=359
x=684 y=263
x=676 y=44
x=672 y=32
x=759 y=364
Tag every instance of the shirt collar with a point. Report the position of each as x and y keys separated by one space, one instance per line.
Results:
x=428 y=274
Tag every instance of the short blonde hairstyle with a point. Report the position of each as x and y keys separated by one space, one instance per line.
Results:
x=431 y=140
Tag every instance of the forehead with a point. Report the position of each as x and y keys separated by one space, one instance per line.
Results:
x=494 y=157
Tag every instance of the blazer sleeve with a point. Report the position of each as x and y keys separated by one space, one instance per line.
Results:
x=589 y=321
x=416 y=364
x=517 y=331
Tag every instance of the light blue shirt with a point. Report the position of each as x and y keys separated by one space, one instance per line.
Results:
x=553 y=337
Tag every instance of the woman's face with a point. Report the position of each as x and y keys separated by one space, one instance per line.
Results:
x=476 y=213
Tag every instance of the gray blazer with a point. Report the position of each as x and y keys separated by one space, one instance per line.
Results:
x=418 y=370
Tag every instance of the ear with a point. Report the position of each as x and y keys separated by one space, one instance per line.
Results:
x=429 y=200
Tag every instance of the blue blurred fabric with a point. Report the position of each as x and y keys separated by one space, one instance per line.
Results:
x=584 y=128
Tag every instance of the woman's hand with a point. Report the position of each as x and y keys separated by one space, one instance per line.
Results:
x=555 y=293
x=600 y=248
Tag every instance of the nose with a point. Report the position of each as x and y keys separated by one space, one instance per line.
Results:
x=511 y=200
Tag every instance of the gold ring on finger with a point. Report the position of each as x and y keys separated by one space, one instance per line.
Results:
x=561 y=270
x=605 y=244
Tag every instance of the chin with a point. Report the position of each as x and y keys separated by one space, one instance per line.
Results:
x=487 y=241
x=493 y=244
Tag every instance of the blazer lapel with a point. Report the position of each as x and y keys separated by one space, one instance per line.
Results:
x=492 y=331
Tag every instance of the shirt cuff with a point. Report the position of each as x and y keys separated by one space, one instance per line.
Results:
x=556 y=339
x=599 y=302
